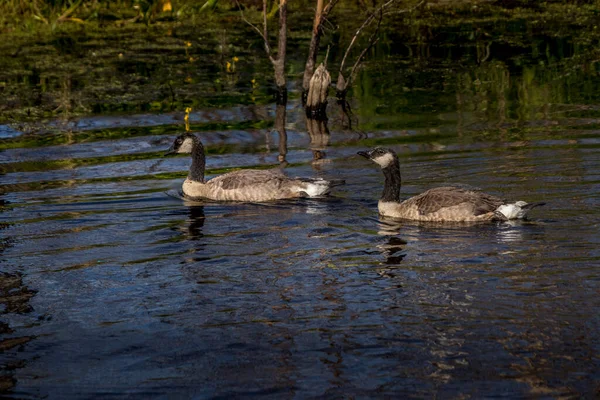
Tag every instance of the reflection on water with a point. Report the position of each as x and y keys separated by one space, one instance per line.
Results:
x=15 y=298
x=112 y=284
x=128 y=283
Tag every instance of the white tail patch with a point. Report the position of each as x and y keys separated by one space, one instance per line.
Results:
x=316 y=188
x=513 y=211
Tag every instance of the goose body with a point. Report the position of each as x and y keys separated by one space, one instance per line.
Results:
x=244 y=185
x=442 y=204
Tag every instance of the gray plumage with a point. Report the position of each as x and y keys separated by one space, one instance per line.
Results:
x=439 y=204
x=434 y=200
x=243 y=185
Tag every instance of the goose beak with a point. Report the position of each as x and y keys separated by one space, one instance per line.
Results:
x=364 y=154
x=170 y=151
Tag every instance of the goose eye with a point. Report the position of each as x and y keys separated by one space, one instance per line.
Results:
x=178 y=141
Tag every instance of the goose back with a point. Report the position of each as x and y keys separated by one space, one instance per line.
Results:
x=254 y=185
x=444 y=204
x=244 y=185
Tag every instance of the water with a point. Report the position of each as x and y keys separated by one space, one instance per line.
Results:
x=113 y=286
x=122 y=289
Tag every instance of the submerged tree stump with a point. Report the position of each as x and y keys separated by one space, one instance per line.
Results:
x=316 y=101
x=319 y=139
x=280 y=118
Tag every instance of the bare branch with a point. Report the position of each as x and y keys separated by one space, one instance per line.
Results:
x=279 y=63
x=368 y=21
x=406 y=9
x=264 y=18
x=320 y=16
x=325 y=14
x=358 y=60
x=329 y=7
x=263 y=36
x=372 y=40
x=359 y=30
x=281 y=45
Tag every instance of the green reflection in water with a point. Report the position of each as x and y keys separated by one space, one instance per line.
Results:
x=61 y=138
x=486 y=63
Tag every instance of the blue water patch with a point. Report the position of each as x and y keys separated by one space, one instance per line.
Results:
x=7 y=132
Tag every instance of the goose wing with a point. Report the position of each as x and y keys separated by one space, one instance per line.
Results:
x=248 y=178
x=436 y=199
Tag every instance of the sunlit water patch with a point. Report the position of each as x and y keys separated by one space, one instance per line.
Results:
x=109 y=272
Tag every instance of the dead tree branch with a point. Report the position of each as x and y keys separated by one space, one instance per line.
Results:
x=409 y=9
x=365 y=23
x=279 y=62
x=281 y=46
x=263 y=34
x=321 y=14
x=342 y=84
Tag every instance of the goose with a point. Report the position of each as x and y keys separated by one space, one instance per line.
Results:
x=244 y=185
x=442 y=204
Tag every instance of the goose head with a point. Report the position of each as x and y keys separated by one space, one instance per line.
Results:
x=382 y=156
x=184 y=143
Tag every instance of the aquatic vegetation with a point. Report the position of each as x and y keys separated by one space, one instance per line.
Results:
x=111 y=65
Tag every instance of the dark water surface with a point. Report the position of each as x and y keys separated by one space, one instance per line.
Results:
x=112 y=286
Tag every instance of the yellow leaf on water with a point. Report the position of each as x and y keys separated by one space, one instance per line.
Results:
x=167 y=6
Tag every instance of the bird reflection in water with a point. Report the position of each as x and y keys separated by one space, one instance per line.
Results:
x=196 y=222
x=510 y=232
x=192 y=231
x=392 y=248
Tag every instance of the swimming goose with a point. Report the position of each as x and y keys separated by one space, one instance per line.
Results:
x=439 y=204
x=243 y=185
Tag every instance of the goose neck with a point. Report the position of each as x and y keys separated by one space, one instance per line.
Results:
x=198 y=164
x=393 y=182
